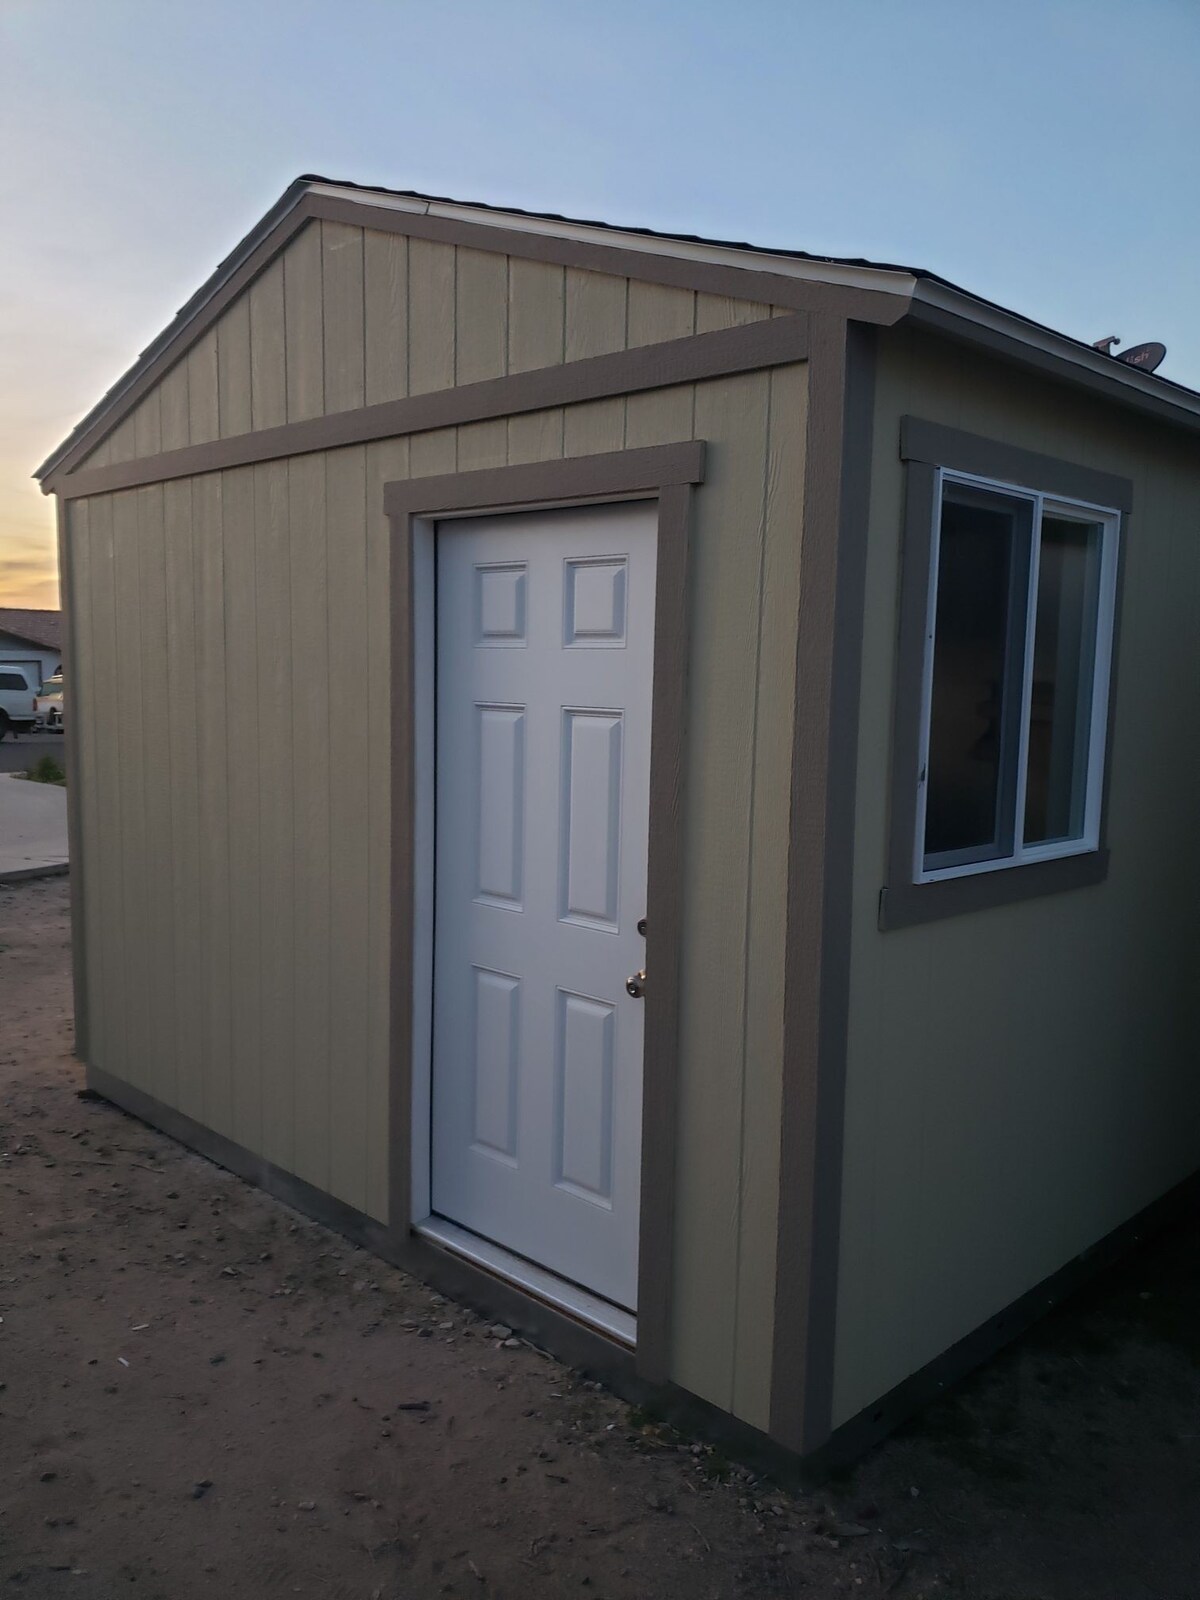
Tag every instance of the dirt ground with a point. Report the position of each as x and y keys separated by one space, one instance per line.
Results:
x=203 y=1394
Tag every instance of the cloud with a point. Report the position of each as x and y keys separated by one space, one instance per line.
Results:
x=28 y=568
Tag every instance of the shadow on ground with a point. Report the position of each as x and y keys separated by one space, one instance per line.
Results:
x=203 y=1394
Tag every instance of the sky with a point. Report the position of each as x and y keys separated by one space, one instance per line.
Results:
x=1042 y=153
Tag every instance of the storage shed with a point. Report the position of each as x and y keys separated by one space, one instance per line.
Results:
x=599 y=768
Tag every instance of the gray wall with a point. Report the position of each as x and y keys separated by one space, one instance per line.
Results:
x=1023 y=1079
x=233 y=650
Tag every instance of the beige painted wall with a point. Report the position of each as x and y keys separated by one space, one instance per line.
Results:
x=1022 y=1080
x=233 y=700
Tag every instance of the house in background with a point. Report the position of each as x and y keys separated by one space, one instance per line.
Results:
x=650 y=781
x=31 y=640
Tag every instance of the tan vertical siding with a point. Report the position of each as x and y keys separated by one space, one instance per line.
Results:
x=349 y=822
x=241 y=734
x=235 y=396
x=173 y=408
x=158 y=924
x=273 y=558
x=310 y=779
x=204 y=418
x=385 y=290
x=184 y=756
x=595 y=313
x=385 y=461
x=147 y=426
x=104 y=884
x=342 y=323
x=431 y=300
x=536 y=310
x=481 y=347
x=81 y=555
x=272 y=637
x=211 y=1097
x=303 y=332
x=770 y=828
x=127 y=686
x=268 y=357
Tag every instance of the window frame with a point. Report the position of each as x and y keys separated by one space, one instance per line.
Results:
x=1072 y=510
x=935 y=455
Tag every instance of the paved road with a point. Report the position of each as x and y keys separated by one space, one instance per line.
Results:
x=17 y=755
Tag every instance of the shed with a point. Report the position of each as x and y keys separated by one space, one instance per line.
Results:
x=30 y=639
x=649 y=781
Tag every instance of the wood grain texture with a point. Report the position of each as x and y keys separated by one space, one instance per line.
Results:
x=343 y=326
x=481 y=316
x=309 y=650
x=235 y=391
x=273 y=563
x=302 y=315
x=242 y=740
x=536 y=313
x=214 y=1093
x=723 y=311
x=204 y=408
x=658 y=313
x=104 y=875
x=385 y=278
x=147 y=426
x=431 y=302
x=174 y=410
x=726 y=587
x=595 y=317
x=349 y=825
x=122 y=444
x=184 y=757
x=86 y=887
x=154 y=760
x=766 y=944
x=128 y=685
x=386 y=463
x=268 y=349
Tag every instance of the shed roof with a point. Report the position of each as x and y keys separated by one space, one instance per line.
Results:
x=928 y=297
x=42 y=628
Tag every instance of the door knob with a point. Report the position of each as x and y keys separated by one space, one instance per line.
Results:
x=636 y=985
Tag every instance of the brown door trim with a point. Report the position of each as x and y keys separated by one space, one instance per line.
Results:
x=666 y=473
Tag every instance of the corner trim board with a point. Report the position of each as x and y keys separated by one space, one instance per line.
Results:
x=665 y=473
x=820 y=865
x=79 y=953
x=754 y=346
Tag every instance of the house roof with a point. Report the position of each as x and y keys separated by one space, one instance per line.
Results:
x=42 y=628
x=929 y=298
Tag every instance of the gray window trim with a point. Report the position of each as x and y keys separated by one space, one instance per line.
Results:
x=925 y=446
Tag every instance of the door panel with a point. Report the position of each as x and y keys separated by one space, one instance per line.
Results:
x=544 y=668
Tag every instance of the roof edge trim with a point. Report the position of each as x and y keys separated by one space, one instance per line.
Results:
x=942 y=308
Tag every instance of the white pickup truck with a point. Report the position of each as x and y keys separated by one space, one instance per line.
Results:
x=49 y=703
x=18 y=702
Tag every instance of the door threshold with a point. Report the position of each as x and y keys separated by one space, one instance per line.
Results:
x=538 y=1281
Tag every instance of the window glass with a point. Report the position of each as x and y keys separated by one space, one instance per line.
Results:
x=974 y=713
x=1064 y=656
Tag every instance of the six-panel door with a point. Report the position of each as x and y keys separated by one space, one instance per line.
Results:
x=544 y=666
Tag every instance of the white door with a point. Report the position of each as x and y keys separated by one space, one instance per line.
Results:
x=544 y=662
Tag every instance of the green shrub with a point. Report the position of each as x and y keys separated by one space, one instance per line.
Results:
x=47 y=770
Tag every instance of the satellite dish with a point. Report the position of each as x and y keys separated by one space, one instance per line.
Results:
x=1149 y=357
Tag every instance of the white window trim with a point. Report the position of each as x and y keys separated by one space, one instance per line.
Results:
x=1089 y=841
